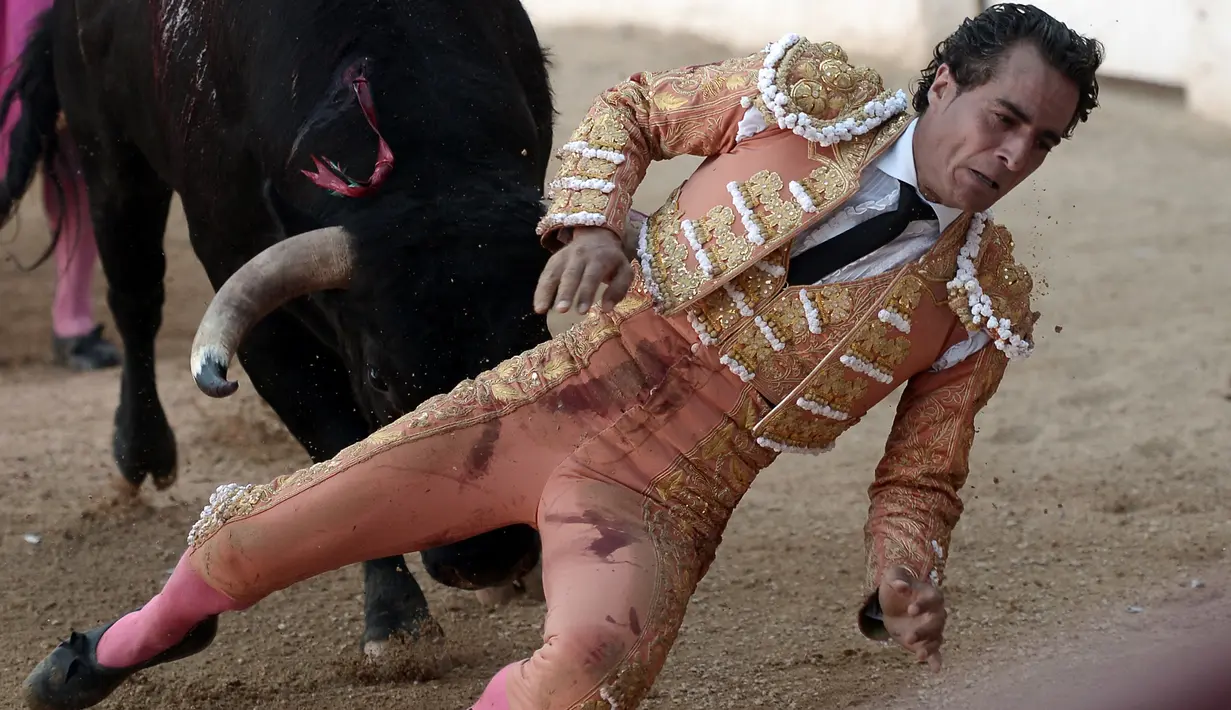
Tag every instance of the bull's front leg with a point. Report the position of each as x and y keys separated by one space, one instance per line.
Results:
x=129 y=206
x=393 y=607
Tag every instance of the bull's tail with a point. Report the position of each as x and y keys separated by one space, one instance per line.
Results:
x=32 y=93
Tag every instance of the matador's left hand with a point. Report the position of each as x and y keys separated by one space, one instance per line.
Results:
x=594 y=256
x=914 y=614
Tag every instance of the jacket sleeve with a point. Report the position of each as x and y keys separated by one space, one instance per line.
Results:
x=914 y=498
x=694 y=110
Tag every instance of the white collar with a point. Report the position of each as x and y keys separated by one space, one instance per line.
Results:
x=899 y=162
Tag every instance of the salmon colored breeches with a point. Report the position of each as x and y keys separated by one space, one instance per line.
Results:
x=624 y=447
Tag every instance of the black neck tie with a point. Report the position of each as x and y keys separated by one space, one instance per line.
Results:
x=860 y=240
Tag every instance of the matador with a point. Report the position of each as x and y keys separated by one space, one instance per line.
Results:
x=833 y=246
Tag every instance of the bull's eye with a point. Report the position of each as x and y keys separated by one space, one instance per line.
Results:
x=376 y=380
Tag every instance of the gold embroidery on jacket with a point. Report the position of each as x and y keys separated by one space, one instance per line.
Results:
x=823 y=83
x=715 y=232
x=875 y=345
x=777 y=215
x=579 y=166
x=840 y=393
x=832 y=302
x=905 y=296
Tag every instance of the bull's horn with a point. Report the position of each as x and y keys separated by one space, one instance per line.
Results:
x=313 y=261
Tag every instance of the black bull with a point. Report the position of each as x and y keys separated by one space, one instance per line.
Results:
x=348 y=300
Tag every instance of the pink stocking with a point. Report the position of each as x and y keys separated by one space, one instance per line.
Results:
x=494 y=696
x=184 y=602
x=76 y=252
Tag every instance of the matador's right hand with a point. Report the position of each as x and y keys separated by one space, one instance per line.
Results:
x=594 y=255
x=914 y=614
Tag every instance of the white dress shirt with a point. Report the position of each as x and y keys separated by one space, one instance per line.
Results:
x=878 y=192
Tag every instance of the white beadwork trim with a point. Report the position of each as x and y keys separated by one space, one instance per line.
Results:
x=802 y=196
x=703 y=259
x=703 y=332
x=744 y=373
x=575 y=219
x=219 y=501
x=769 y=334
x=604 y=693
x=895 y=319
x=647 y=265
x=810 y=312
x=967 y=279
x=790 y=449
x=745 y=214
x=875 y=112
x=823 y=410
x=574 y=183
x=864 y=367
x=771 y=269
x=741 y=302
x=585 y=150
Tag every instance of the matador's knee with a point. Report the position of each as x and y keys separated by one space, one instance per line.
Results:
x=589 y=667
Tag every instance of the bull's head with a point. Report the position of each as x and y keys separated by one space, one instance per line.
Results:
x=398 y=243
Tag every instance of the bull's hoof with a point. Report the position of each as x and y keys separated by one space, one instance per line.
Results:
x=164 y=480
x=531 y=583
x=493 y=597
x=398 y=627
x=151 y=453
x=421 y=654
x=149 y=450
x=377 y=641
x=71 y=678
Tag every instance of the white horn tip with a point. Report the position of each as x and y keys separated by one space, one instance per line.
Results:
x=209 y=369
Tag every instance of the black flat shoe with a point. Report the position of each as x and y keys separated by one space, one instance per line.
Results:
x=85 y=352
x=71 y=678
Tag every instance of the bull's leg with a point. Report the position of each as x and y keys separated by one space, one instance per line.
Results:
x=129 y=205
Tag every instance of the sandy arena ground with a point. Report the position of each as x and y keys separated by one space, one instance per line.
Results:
x=1093 y=506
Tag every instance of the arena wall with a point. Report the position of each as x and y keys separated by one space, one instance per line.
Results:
x=1181 y=43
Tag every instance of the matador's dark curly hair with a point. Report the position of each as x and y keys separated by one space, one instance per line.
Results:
x=974 y=51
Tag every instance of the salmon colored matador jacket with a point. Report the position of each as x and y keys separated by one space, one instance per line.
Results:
x=786 y=133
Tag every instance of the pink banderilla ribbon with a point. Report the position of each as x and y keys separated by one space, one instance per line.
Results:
x=331 y=177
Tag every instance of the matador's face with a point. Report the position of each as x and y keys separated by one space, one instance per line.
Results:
x=973 y=146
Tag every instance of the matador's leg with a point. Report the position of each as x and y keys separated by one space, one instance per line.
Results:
x=629 y=526
x=463 y=463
